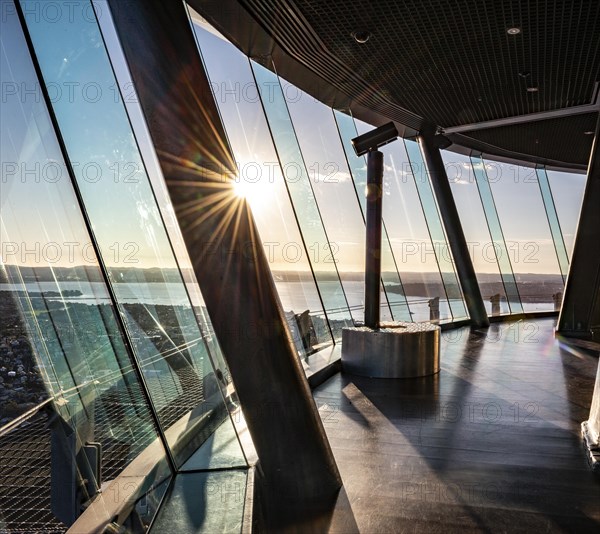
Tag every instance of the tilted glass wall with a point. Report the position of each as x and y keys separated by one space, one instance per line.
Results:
x=305 y=149
x=392 y=283
x=525 y=226
x=260 y=182
x=487 y=254
x=520 y=223
x=287 y=142
x=552 y=215
x=142 y=269
x=126 y=92
x=409 y=236
x=437 y=233
x=567 y=191
x=512 y=297
x=301 y=193
x=282 y=135
x=333 y=187
x=222 y=449
x=74 y=413
x=106 y=371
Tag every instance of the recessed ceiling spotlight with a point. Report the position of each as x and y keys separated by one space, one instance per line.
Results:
x=361 y=37
x=589 y=132
x=513 y=31
x=533 y=89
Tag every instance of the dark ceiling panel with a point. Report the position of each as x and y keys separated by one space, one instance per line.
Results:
x=294 y=34
x=453 y=62
x=560 y=140
x=432 y=63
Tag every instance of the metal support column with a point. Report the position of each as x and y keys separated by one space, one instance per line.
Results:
x=580 y=313
x=373 y=249
x=223 y=243
x=454 y=231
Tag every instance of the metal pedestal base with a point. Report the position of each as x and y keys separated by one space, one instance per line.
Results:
x=395 y=350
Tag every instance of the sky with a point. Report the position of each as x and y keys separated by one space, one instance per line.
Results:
x=39 y=208
x=109 y=170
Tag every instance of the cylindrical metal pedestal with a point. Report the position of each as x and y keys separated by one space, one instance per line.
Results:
x=400 y=350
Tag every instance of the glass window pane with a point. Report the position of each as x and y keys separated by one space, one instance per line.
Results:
x=260 y=182
x=302 y=196
x=474 y=223
x=64 y=366
x=436 y=231
x=128 y=226
x=525 y=227
x=129 y=98
x=555 y=230
x=233 y=456
x=567 y=190
x=513 y=298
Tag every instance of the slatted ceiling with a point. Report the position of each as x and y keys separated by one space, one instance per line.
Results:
x=443 y=62
x=286 y=24
x=456 y=52
x=562 y=138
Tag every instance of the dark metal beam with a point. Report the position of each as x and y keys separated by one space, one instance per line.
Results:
x=454 y=231
x=528 y=118
x=468 y=146
x=223 y=243
x=580 y=312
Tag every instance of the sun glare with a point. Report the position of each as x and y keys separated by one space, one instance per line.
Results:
x=258 y=194
x=241 y=189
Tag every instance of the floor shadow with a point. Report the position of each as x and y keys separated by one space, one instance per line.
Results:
x=276 y=512
x=490 y=446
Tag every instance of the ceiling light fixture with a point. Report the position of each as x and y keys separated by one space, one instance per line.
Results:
x=513 y=31
x=532 y=89
x=361 y=37
x=589 y=132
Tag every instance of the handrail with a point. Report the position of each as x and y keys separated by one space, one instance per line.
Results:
x=24 y=417
x=36 y=409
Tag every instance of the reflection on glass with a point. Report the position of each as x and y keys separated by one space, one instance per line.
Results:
x=567 y=189
x=334 y=191
x=144 y=510
x=555 y=230
x=217 y=504
x=516 y=194
x=73 y=412
x=513 y=298
x=260 y=182
x=128 y=227
x=303 y=199
x=160 y=189
x=409 y=237
x=481 y=246
x=392 y=284
x=441 y=248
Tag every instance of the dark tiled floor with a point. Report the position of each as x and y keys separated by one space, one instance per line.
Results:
x=491 y=444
